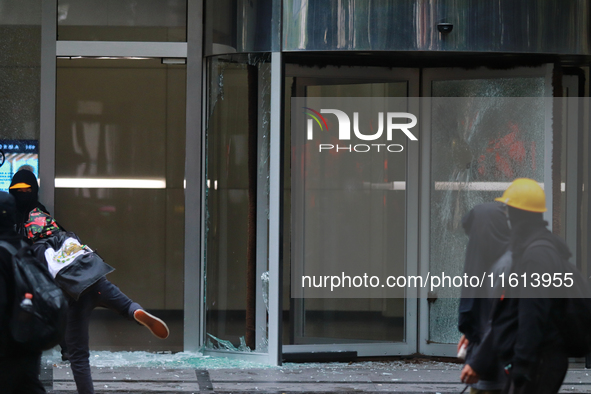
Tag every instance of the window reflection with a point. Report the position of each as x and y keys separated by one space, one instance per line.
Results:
x=122 y=20
x=120 y=143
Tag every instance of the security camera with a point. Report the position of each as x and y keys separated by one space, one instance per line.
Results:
x=445 y=28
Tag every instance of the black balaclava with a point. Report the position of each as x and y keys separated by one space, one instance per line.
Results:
x=524 y=225
x=7 y=212
x=25 y=202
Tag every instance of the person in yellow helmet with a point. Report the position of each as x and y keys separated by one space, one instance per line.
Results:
x=525 y=195
x=525 y=330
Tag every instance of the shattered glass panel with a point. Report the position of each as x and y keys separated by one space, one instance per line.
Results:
x=164 y=360
x=482 y=138
x=265 y=280
x=237 y=202
x=175 y=361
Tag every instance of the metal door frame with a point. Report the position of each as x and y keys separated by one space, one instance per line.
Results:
x=573 y=105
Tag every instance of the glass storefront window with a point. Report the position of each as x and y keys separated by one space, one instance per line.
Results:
x=237 y=202
x=120 y=143
x=122 y=20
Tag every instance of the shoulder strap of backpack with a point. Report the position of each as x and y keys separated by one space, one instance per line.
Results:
x=566 y=264
x=540 y=242
x=543 y=242
x=548 y=244
x=537 y=242
x=11 y=249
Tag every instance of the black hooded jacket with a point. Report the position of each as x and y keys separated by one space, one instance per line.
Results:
x=489 y=234
x=488 y=231
x=523 y=326
x=8 y=348
x=25 y=202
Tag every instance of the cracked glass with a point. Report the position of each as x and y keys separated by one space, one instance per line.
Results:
x=237 y=203
x=481 y=139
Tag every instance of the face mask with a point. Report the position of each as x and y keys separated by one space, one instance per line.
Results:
x=24 y=201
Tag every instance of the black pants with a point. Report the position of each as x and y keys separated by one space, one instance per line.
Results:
x=20 y=374
x=547 y=374
x=105 y=294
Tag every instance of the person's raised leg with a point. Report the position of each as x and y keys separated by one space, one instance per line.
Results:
x=113 y=298
x=152 y=323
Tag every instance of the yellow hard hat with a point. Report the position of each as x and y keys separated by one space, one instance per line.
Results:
x=525 y=194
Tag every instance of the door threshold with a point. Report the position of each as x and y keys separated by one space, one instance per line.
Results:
x=320 y=357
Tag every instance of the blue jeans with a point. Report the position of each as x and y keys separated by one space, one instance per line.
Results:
x=102 y=293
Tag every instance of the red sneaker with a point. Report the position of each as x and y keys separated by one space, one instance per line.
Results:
x=155 y=325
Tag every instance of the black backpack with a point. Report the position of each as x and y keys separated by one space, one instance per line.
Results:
x=575 y=317
x=39 y=312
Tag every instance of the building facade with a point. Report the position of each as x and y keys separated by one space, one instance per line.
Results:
x=167 y=137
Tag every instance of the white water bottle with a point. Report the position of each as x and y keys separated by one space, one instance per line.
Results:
x=27 y=301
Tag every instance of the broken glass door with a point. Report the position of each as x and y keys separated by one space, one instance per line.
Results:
x=237 y=205
x=485 y=128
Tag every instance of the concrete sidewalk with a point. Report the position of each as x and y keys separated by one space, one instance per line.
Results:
x=368 y=377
